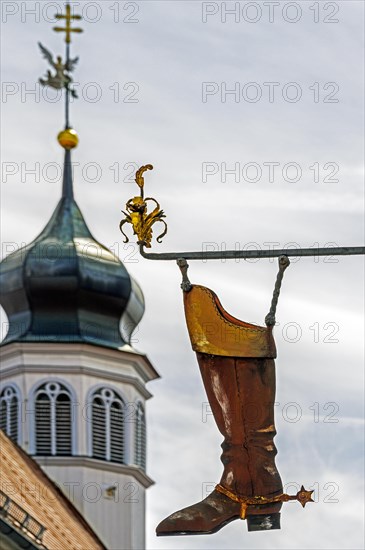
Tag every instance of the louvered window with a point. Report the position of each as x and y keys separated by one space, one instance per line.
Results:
x=9 y=412
x=140 y=438
x=108 y=434
x=43 y=425
x=99 y=428
x=53 y=420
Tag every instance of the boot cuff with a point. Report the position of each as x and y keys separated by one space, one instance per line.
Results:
x=214 y=331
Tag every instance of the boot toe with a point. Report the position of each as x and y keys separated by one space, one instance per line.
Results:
x=179 y=523
x=204 y=517
x=191 y=520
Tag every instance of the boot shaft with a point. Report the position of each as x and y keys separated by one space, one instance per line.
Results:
x=241 y=393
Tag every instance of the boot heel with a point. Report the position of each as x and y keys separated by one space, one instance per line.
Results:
x=263 y=522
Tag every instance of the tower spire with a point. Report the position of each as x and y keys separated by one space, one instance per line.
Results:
x=62 y=79
x=67 y=186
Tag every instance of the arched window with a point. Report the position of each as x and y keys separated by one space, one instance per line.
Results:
x=9 y=412
x=140 y=437
x=108 y=426
x=53 y=420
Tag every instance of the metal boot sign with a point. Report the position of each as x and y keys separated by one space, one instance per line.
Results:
x=236 y=361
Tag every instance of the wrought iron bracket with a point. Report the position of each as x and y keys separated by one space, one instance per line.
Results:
x=142 y=223
x=250 y=254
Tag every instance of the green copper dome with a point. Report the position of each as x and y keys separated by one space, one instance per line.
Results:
x=67 y=287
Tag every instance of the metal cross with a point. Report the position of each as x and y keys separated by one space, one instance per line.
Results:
x=67 y=29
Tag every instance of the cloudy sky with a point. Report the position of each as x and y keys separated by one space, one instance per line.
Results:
x=253 y=121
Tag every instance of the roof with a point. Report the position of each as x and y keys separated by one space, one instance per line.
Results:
x=29 y=487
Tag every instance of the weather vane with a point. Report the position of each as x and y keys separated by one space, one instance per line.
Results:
x=62 y=78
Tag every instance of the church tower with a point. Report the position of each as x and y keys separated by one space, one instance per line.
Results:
x=72 y=387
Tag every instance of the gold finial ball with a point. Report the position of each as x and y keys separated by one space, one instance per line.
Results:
x=68 y=139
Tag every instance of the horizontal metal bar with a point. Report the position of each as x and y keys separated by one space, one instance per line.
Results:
x=246 y=254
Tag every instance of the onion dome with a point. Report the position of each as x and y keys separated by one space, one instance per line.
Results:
x=67 y=287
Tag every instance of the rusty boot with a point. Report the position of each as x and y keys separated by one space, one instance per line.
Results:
x=236 y=361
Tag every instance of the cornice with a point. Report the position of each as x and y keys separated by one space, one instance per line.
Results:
x=95 y=464
x=100 y=374
x=138 y=360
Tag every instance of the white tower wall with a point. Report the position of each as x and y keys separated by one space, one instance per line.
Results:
x=111 y=496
